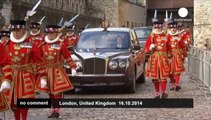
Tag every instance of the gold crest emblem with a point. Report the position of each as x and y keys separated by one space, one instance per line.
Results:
x=16 y=52
x=16 y=59
x=17 y=47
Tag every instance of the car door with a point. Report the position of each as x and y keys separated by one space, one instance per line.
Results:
x=139 y=54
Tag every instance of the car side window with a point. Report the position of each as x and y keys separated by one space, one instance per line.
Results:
x=135 y=39
x=132 y=38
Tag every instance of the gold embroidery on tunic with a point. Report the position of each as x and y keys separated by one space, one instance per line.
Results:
x=17 y=47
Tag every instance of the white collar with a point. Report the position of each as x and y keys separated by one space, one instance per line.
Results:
x=158 y=32
x=34 y=33
x=181 y=31
x=170 y=33
x=52 y=41
x=13 y=39
x=70 y=35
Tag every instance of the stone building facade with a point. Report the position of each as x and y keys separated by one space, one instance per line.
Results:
x=5 y=13
x=54 y=10
x=202 y=23
x=129 y=13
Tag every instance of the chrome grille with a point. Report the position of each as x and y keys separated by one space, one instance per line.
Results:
x=94 y=66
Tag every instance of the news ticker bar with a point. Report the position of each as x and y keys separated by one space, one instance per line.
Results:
x=105 y=103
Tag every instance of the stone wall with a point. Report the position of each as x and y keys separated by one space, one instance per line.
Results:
x=128 y=13
x=5 y=13
x=52 y=14
x=202 y=23
x=54 y=10
x=98 y=8
x=131 y=15
x=77 y=6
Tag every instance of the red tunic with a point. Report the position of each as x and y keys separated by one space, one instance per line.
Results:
x=157 y=66
x=175 y=48
x=20 y=72
x=185 y=43
x=71 y=40
x=37 y=40
x=3 y=62
x=52 y=68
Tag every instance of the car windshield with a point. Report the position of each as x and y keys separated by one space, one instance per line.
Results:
x=104 y=40
x=143 y=33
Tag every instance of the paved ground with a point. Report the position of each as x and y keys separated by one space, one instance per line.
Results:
x=201 y=110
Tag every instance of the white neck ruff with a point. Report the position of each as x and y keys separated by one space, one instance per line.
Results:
x=52 y=41
x=34 y=33
x=181 y=31
x=158 y=32
x=13 y=39
x=69 y=35
x=170 y=33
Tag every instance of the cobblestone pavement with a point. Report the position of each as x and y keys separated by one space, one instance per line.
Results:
x=201 y=110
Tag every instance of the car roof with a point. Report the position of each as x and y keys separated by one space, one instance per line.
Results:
x=121 y=29
x=142 y=27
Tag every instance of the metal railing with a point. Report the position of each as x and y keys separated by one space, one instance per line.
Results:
x=199 y=69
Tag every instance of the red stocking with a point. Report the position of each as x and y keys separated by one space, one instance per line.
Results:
x=172 y=79
x=59 y=96
x=177 y=79
x=163 y=86
x=157 y=87
x=24 y=112
x=17 y=113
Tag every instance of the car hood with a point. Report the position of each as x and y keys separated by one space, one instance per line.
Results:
x=110 y=55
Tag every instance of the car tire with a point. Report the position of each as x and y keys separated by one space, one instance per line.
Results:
x=141 y=79
x=132 y=87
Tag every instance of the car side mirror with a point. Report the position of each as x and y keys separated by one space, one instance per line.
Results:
x=136 y=47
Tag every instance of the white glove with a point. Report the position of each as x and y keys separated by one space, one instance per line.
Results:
x=67 y=66
x=78 y=65
x=5 y=86
x=152 y=46
x=43 y=83
x=186 y=42
x=74 y=72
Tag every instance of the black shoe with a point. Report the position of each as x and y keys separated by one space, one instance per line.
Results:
x=37 y=93
x=171 y=88
x=164 y=95
x=54 y=115
x=177 y=88
x=157 y=97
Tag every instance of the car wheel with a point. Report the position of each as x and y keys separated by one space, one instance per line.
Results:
x=141 y=79
x=132 y=86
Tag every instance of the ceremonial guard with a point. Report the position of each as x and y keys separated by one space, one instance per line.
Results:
x=4 y=85
x=18 y=78
x=175 y=57
x=36 y=38
x=53 y=79
x=186 y=42
x=35 y=35
x=70 y=39
x=5 y=37
x=157 y=67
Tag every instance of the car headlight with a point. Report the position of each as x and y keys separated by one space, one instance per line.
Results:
x=122 y=64
x=113 y=65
